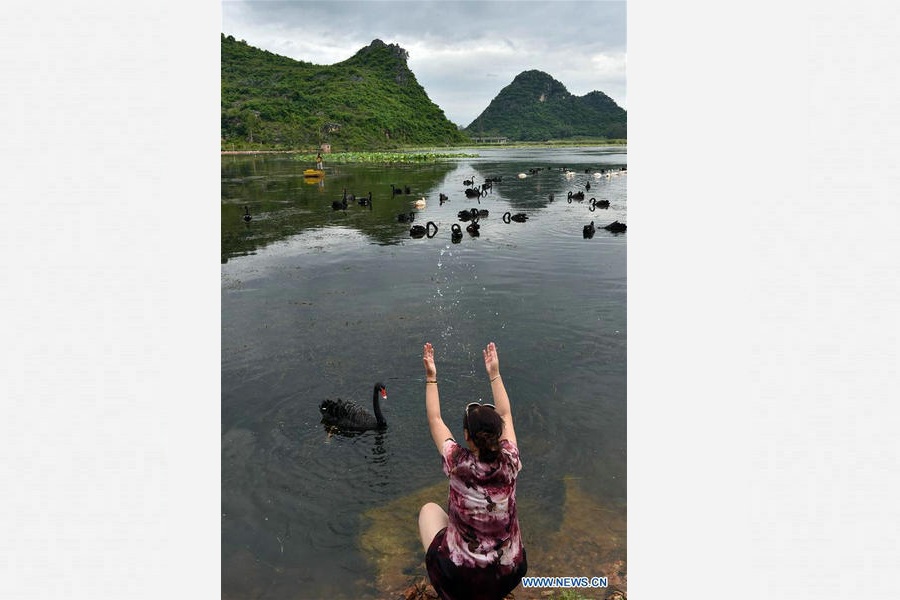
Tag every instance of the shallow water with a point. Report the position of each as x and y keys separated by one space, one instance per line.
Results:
x=319 y=303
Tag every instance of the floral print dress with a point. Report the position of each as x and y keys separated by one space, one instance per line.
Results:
x=483 y=528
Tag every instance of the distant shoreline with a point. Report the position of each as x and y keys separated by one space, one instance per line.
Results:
x=550 y=143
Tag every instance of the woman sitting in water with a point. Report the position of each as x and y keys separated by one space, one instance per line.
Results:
x=476 y=552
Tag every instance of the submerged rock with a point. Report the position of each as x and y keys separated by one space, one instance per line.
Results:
x=590 y=540
x=391 y=542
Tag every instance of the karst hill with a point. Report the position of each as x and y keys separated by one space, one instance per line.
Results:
x=536 y=107
x=371 y=100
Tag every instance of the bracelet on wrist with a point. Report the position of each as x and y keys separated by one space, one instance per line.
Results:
x=435 y=381
x=495 y=377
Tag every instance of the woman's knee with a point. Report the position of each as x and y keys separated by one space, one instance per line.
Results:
x=431 y=514
x=432 y=519
x=429 y=508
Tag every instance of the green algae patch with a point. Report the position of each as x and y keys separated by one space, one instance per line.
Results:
x=589 y=541
x=390 y=540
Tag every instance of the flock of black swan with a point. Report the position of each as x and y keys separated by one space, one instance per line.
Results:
x=474 y=214
x=346 y=416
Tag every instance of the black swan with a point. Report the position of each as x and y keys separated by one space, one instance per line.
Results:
x=469 y=181
x=342 y=205
x=482 y=212
x=443 y=198
x=616 y=227
x=406 y=217
x=589 y=230
x=599 y=203
x=350 y=416
x=465 y=215
x=455 y=233
x=576 y=196
x=473 y=193
x=365 y=201
x=247 y=216
x=406 y=190
x=395 y=190
x=587 y=186
x=518 y=217
x=474 y=228
x=418 y=231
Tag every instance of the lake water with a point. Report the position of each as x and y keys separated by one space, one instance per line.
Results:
x=318 y=304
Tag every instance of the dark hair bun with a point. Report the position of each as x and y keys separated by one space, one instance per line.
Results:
x=488 y=444
x=484 y=426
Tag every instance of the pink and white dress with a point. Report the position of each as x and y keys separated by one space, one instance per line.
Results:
x=480 y=553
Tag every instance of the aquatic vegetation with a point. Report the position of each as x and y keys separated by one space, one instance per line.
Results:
x=386 y=158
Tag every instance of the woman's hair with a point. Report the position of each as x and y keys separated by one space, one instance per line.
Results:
x=484 y=426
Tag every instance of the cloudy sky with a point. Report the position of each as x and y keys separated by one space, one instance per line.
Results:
x=462 y=52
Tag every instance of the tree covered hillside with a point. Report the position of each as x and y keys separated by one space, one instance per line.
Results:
x=369 y=101
x=536 y=107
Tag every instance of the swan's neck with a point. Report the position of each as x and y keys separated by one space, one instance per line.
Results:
x=376 y=406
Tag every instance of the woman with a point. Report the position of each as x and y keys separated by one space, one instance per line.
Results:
x=319 y=161
x=476 y=551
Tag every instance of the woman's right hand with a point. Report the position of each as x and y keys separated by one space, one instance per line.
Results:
x=491 y=360
x=428 y=361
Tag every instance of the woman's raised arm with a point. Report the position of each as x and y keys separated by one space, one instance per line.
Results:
x=501 y=399
x=439 y=431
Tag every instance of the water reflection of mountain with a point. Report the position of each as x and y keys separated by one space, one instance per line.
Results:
x=283 y=203
x=541 y=180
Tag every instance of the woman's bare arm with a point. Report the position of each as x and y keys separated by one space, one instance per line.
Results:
x=439 y=431
x=501 y=399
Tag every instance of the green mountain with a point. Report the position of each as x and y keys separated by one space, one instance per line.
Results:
x=370 y=101
x=536 y=107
